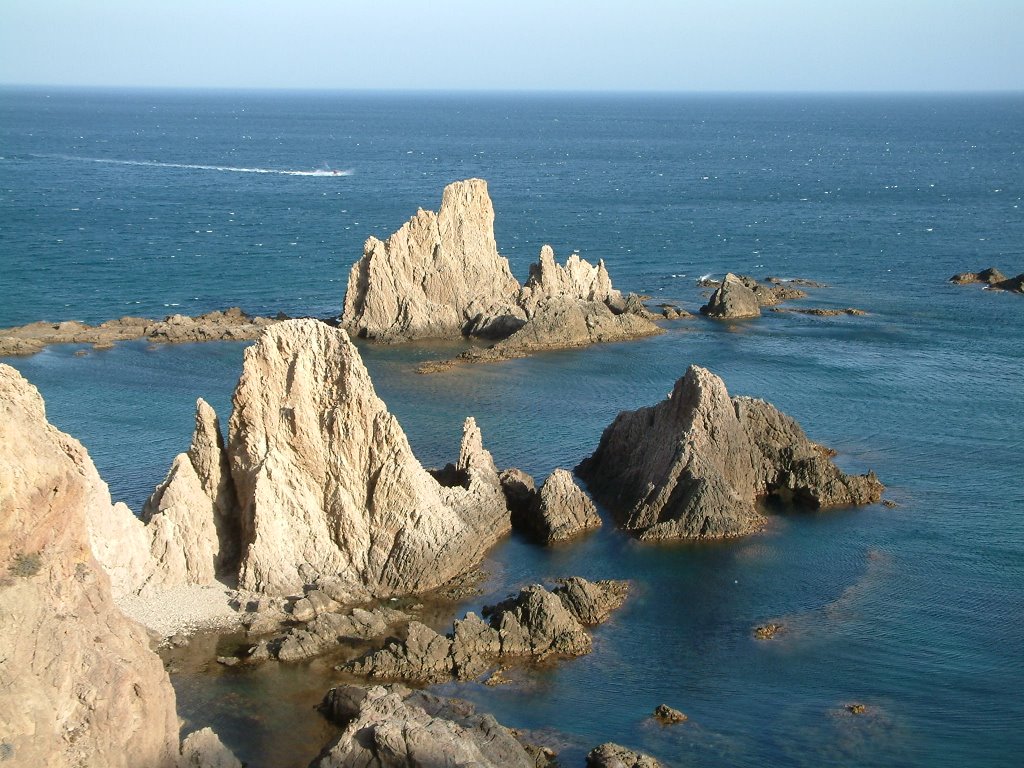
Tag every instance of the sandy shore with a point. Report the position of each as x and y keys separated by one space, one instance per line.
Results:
x=184 y=610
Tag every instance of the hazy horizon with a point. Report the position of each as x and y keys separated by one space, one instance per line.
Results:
x=730 y=46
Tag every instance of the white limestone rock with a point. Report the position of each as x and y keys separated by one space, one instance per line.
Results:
x=328 y=486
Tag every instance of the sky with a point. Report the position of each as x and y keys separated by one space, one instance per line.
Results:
x=567 y=45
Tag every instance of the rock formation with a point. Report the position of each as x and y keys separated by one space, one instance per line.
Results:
x=437 y=276
x=560 y=510
x=395 y=727
x=78 y=683
x=732 y=301
x=230 y=325
x=326 y=630
x=328 y=486
x=993 y=278
x=611 y=755
x=820 y=312
x=694 y=465
x=536 y=623
x=193 y=514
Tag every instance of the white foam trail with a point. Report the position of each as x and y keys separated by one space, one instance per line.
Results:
x=194 y=167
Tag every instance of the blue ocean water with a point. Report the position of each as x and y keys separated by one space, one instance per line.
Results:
x=917 y=611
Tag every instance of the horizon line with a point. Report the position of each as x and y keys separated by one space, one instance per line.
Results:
x=510 y=91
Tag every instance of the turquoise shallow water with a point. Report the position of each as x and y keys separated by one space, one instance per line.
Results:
x=915 y=611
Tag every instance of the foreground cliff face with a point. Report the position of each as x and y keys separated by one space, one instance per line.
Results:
x=78 y=683
x=328 y=486
x=436 y=274
x=694 y=465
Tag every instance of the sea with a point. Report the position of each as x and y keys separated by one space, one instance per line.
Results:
x=152 y=203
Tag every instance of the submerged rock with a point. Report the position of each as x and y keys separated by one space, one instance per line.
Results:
x=394 y=727
x=694 y=465
x=328 y=486
x=536 y=623
x=80 y=684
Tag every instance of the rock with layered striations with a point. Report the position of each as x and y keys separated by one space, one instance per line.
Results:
x=694 y=465
x=395 y=727
x=733 y=300
x=438 y=276
x=537 y=623
x=192 y=515
x=560 y=510
x=328 y=486
x=577 y=280
x=78 y=682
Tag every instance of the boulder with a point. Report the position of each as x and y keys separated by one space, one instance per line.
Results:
x=991 y=276
x=79 y=684
x=438 y=276
x=327 y=484
x=1013 y=284
x=694 y=465
x=732 y=301
x=326 y=630
x=394 y=727
x=666 y=715
x=560 y=510
x=610 y=755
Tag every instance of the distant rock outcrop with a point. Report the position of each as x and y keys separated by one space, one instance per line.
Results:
x=536 y=623
x=78 y=682
x=694 y=465
x=230 y=325
x=395 y=727
x=438 y=276
x=732 y=301
x=327 y=483
x=993 y=278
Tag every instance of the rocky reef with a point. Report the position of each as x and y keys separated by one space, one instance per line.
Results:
x=229 y=325
x=78 y=683
x=993 y=278
x=440 y=276
x=738 y=297
x=695 y=465
x=537 y=623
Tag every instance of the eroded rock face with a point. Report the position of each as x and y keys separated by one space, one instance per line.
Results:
x=192 y=515
x=394 y=727
x=78 y=683
x=328 y=486
x=536 y=623
x=576 y=280
x=436 y=275
x=693 y=465
x=560 y=511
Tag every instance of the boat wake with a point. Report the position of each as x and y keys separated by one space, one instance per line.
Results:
x=196 y=167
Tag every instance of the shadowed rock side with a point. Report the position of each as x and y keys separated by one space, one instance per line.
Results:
x=395 y=727
x=537 y=623
x=993 y=278
x=328 y=485
x=560 y=510
x=78 y=683
x=230 y=325
x=193 y=514
x=439 y=273
x=733 y=300
x=694 y=465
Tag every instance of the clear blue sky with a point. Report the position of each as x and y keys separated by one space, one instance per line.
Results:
x=705 y=45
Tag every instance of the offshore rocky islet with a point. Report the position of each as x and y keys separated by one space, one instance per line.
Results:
x=204 y=521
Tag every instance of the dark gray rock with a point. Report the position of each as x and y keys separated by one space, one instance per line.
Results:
x=694 y=465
